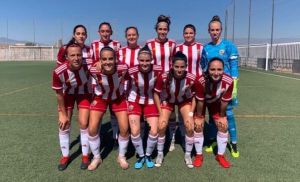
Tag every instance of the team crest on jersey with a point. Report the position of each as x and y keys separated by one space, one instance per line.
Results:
x=221 y=52
x=130 y=107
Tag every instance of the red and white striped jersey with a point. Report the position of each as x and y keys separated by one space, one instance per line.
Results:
x=86 y=55
x=129 y=56
x=162 y=52
x=97 y=45
x=193 y=53
x=142 y=84
x=213 y=92
x=175 y=90
x=71 y=82
x=110 y=87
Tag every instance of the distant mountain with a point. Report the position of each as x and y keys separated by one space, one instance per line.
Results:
x=4 y=40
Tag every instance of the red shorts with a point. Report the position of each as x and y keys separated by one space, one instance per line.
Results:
x=83 y=101
x=98 y=104
x=149 y=110
x=170 y=107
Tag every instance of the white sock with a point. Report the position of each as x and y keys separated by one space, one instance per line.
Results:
x=123 y=143
x=84 y=140
x=222 y=139
x=189 y=143
x=114 y=126
x=151 y=142
x=198 y=142
x=160 y=144
x=64 y=141
x=94 y=142
x=138 y=144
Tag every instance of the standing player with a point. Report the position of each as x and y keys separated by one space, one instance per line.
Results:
x=177 y=84
x=140 y=102
x=226 y=51
x=79 y=37
x=193 y=52
x=109 y=91
x=105 y=31
x=71 y=83
x=163 y=50
x=215 y=90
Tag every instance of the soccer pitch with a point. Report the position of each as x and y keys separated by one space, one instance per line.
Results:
x=267 y=120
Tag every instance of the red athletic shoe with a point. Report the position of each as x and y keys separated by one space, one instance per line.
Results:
x=85 y=162
x=63 y=163
x=198 y=160
x=222 y=161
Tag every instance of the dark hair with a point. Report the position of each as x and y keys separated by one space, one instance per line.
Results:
x=163 y=18
x=107 y=48
x=215 y=18
x=178 y=56
x=146 y=50
x=206 y=74
x=191 y=26
x=131 y=27
x=72 y=41
x=105 y=23
x=72 y=44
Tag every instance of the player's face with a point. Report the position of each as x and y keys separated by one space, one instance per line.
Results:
x=105 y=33
x=215 y=70
x=162 y=31
x=179 y=68
x=189 y=35
x=214 y=31
x=80 y=35
x=132 y=36
x=74 y=56
x=107 y=61
x=144 y=62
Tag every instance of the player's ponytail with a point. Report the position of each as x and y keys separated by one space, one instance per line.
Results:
x=163 y=18
x=215 y=18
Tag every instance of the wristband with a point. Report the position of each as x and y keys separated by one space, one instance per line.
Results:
x=191 y=114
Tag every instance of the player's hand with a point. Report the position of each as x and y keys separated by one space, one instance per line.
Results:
x=235 y=90
x=98 y=66
x=63 y=121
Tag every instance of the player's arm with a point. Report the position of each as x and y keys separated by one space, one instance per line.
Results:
x=234 y=68
x=63 y=119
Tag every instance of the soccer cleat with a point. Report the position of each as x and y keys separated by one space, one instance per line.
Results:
x=149 y=162
x=198 y=160
x=188 y=161
x=159 y=159
x=139 y=163
x=211 y=146
x=172 y=145
x=123 y=163
x=222 y=161
x=233 y=150
x=63 y=163
x=85 y=161
x=94 y=164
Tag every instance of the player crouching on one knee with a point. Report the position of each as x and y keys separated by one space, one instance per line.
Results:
x=175 y=88
x=108 y=86
x=71 y=83
x=214 y=90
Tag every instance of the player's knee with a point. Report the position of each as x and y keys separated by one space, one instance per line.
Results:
x=93 y=132
x=222 y=127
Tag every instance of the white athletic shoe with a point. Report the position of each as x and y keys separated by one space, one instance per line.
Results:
x=159 y=159
x=172 y=146
x=188 y=161
x=123 y=163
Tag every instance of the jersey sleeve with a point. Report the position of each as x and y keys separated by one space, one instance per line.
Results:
x=227 y=95
x=56 y=82
x=159 y=84
x=233 y=60
x=199 y=90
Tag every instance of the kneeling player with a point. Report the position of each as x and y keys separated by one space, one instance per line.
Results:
x=214 y=89
x=71 y=83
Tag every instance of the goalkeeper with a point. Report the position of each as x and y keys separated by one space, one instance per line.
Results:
x=226 y=51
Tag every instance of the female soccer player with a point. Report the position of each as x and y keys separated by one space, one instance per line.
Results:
x=176 y=86
x=215 y=90
x=105 y=32
x=140 y=102
x=109 y=91
x=163 y=50
x=226 y=51
x=71 y=83
x=128 y=55
x=79 y=37
x=193 y=52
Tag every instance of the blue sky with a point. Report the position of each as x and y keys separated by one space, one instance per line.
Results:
x=56 y=18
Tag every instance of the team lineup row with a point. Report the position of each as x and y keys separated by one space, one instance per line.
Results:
x=147 y=81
